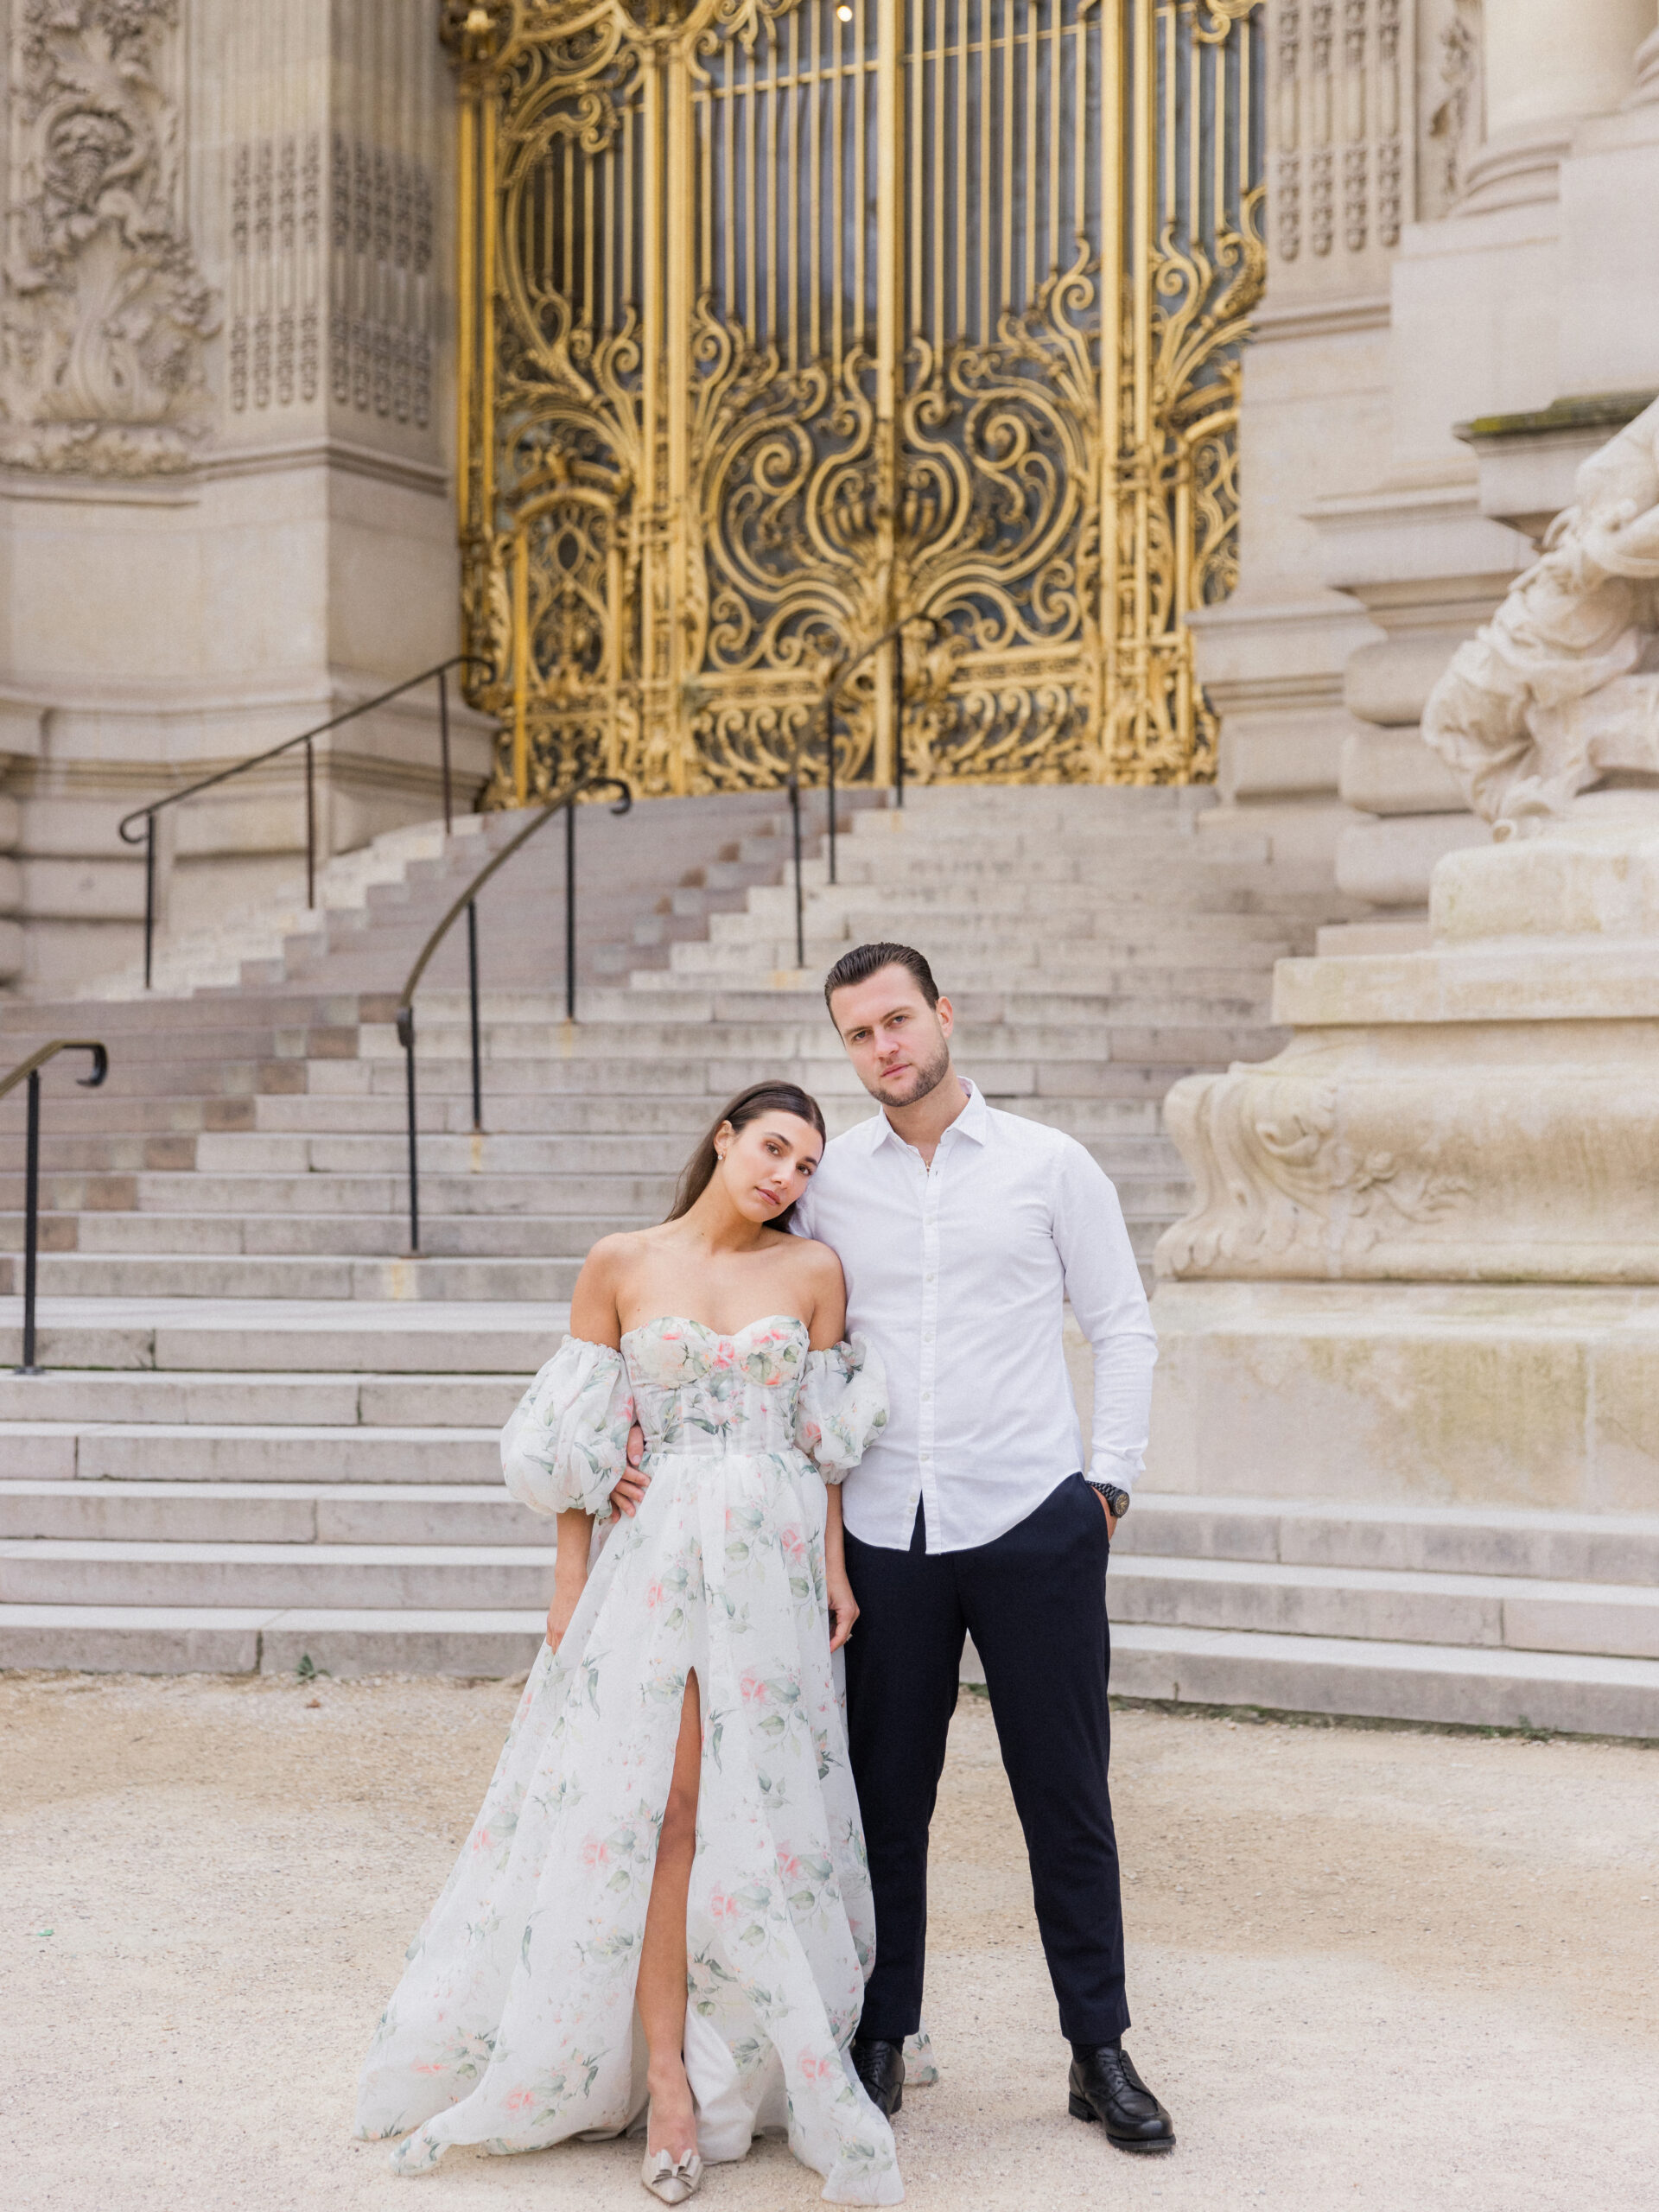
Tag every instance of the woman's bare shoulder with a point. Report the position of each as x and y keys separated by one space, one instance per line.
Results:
x=820 y=1262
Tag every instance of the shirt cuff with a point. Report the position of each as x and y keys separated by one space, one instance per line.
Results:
x=1109 y=1468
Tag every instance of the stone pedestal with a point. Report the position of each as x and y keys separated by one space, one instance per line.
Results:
x=1424 y=1260
x=225 y=451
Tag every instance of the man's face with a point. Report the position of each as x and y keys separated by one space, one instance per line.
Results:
x=899 y=1044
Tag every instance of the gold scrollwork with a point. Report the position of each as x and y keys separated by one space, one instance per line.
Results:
x=747 y=379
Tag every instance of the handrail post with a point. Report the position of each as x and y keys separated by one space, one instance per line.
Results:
x=30 y=1069
x=31 y=1220
x=800 y=902
x=406 y=1038
x=571 y=907
x=443 y=744
x=898 y=716
x=829 y=756
x=149 y=893
x=472 y=988
x=310 y=827
x=467 y=904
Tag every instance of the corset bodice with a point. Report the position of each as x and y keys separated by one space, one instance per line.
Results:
x=698 y=1393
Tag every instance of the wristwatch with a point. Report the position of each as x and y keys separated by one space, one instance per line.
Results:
x=1117 y=1501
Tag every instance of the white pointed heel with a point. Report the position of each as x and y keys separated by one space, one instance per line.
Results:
x=670 y=2179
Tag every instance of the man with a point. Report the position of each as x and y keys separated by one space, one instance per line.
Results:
x=962 y=1231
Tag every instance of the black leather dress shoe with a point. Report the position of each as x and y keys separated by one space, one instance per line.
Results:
x=880 y=2068
x=1104 y=2086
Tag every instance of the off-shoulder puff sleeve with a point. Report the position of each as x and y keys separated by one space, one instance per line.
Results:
x=843 y=1406
x=566 y=1446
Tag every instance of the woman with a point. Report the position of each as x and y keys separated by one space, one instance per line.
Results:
x=672 y=1824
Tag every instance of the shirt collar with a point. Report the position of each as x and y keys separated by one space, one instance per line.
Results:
x=974 y=1122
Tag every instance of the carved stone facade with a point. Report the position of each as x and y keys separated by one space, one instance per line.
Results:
x=1423 y=1259
x=106 y=314
x=1360 y=87
x=225 y=451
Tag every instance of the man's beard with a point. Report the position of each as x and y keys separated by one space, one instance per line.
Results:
x=927 y=1076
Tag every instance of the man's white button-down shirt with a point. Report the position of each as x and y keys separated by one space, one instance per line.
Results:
x=959 y=1275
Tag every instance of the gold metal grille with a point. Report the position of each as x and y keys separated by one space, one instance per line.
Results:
x=786 y=321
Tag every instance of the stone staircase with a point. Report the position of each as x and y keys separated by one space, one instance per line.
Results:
x=269 y=1437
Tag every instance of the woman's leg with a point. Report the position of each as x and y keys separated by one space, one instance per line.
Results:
x=661 y=1988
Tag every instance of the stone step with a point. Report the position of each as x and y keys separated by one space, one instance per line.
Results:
x=986 y=954
x=481 y=1236
x=204 y=1639
x=757 y=1042
x=450 y=1112
x=449 y=1515
x=1513 y=1613
x=275 y=1275
x=619 y=1161
x=1111 y=999
x=1482 y=1540
x=323 y=1234
x=1020 y=903
x=815 y=1047
x=54 y=1571
x=321 y=1190
x=206 y=1452
x=1429 y=1683
x=1438 y=1684
x=275 y=1336
x=229 y=1398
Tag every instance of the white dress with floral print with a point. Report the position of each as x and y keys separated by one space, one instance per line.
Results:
x=514 y=2024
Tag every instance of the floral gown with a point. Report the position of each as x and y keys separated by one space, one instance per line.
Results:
x=513 y=2025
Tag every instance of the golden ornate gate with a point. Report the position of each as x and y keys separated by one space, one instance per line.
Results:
x=783 y=321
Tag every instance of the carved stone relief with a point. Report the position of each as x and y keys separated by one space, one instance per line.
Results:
x=275 y=335
x=103 y=313
x=380 y=339
x=1282 y=1190
x=1451 y=72
x=1342 y=129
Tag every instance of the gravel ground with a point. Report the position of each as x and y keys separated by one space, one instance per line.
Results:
x=1368 y=1968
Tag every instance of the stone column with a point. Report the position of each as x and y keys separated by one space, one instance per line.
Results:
x=1549 y=63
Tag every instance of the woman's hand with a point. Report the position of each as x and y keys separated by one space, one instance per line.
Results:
x=630 y=1493
x=560 y=1613
x=843 y=1606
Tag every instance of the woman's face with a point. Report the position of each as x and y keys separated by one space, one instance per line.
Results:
x=768 y=1163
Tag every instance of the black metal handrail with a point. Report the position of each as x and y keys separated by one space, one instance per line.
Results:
x=30 y=1069
x=147 y=815
x=839 y=675
x=467 y=904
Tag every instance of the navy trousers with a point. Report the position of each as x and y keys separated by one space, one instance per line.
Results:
x=1034 y=1601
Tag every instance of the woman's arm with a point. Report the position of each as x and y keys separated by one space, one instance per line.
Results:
x=569 y=1573
x=843 y=1606
x=828 y=1289
x=594 y=1315
x=594 y=1320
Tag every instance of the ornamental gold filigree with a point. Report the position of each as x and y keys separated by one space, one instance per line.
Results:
x=782 y=332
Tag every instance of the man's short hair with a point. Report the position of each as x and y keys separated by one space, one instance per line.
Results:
x=867 y=960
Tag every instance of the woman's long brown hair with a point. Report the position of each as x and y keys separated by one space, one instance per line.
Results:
x=773 y=1096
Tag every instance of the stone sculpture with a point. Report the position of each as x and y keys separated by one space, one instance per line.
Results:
x=1553 y=694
